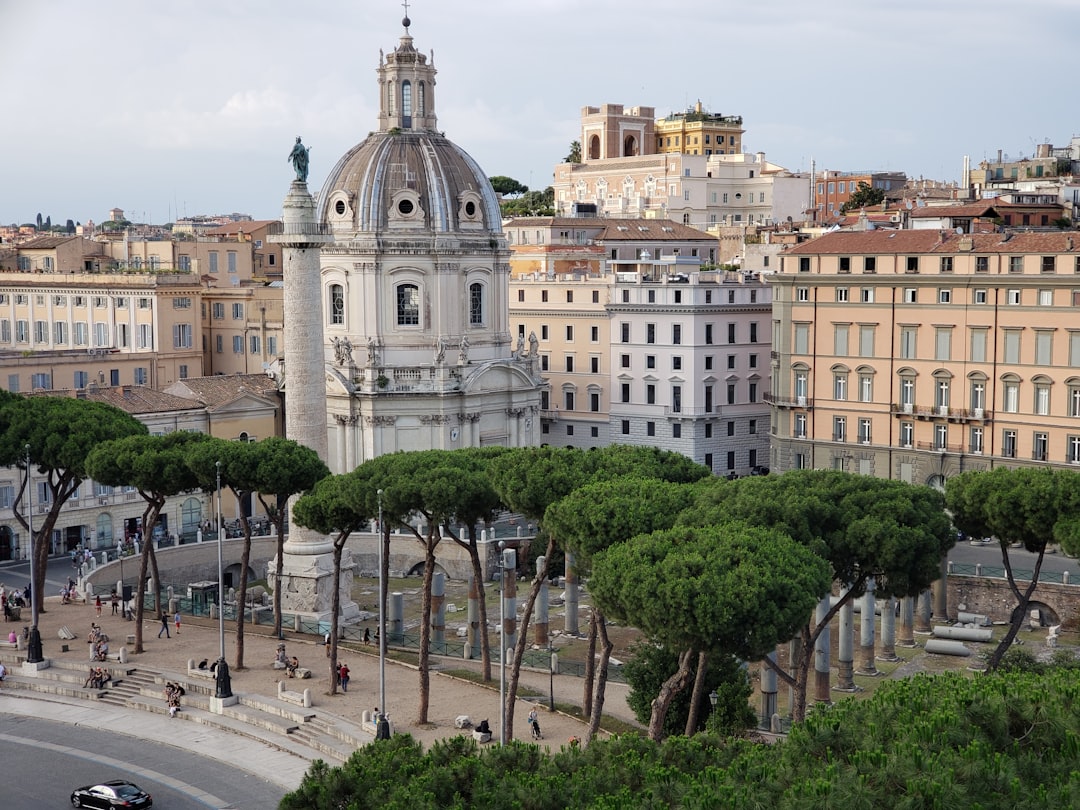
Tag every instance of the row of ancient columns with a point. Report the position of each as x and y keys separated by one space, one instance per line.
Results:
x=914 y=614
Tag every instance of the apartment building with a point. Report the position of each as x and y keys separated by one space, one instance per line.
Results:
x=833 y=189
x=639 y=345
x=918 y=355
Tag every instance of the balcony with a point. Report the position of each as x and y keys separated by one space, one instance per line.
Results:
x=688 y=413
x=939 y=448
x=942 y=412
x=788 y=402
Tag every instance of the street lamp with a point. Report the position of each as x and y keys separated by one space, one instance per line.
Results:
x=221 y=672
x=502 y=643
x=34 y=654
x=382 y=617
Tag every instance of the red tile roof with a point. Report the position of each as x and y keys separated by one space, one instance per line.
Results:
x=934 y=241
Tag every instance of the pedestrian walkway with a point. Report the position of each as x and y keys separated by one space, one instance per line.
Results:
x=329 y=729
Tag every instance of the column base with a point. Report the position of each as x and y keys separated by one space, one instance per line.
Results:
x=307 y=586
x=217 y=705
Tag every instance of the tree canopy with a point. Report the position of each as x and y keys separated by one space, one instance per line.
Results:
x=864 y=196
x=531 y=204
x=507 y=186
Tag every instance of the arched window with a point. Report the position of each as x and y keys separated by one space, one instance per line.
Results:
x=630 y=146
x=406 y=103
x=337 y=304
x=476 y=304
x=408 y=305
x=594 y=147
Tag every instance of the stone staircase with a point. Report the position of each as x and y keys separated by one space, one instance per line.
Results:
x=303 y=732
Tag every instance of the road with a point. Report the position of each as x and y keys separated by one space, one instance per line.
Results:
x=989 y=554
x=44 y=760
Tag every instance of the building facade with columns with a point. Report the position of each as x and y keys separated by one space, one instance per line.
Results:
x=414 y=287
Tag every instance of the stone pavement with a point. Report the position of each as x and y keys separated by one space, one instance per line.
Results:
x=283 y=761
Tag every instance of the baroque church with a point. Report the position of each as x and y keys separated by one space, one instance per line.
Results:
x=414 y=273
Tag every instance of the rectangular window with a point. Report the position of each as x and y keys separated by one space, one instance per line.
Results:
x=254 y=342
x=839 y=432
x=60 y=334
x=978 y=345
x=650 y=361
x=978 y=296
x=140 y=376
x=911 y=295
x=624 y=361
x=238 y=312
x=845 y=264
x=841 y=295
x=217 y=311
x=753 y=332
x=1046 y=298
x=799 y=429
x=731 y=333
x=802 y=338
x=625 y=392
x=752 y=392
x=624 y=330
x=1012 y=346
x=1013 y=297
x=544 y=361
x=840 y=387
x=568 y=400
x=870 y=264
x=802 y=294
x=982 y=264
x=840 y=339
x=521 y=296
x=650 y=428
x=908 y=339
x=1043 y=347
x=864 y=431
x=625 y=427
x=866 y=295
x=943 y=343
x=570 y=363
x=676 y=431
x=594 y=365
x=569 y=333
x=866 y=388
x=1016 y=264
x=866 y=341
x=731 y=394
x=594 y=334
x=907 y=434
x=946 y=264
x=238 y=344
x=544 y=296
x=708 y=334
x=1010 y=397
x=676 y=363
x=676 y=334
x=1008 y=444
x=650 y=333
x=975 y=440
x=650 y=394
x=182 y=336
x=543 y=331
x=731 y=460
x=944 y=296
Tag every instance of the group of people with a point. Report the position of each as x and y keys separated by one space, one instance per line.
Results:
x=14 y=599
x=99 y=643
x=343 y=676
x=173 y=693
x=98 y=677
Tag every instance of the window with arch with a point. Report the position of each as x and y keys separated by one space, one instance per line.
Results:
x=337 y=304
x=476 y=304
x=408 y=305
x=1010 y=393
x=801 y=380
x=978 y=391
x=406 y=102
x=1042 y=384
x=907 y=390
x=594 y=147
x=1074 y=395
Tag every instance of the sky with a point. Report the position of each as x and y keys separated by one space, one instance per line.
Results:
x=179 y=109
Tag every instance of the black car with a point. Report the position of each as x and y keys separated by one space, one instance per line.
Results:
x=116 y=793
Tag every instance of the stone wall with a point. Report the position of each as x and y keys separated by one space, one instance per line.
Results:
x=991 y=597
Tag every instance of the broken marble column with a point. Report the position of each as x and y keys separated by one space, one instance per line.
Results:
x=540 y=623
x=768 y=688
x=922 y=613
x=438 y=611
x=866 y=631
x=906 y=634
x=395 y=617
x=845 y=658
x=472 y=632
x=940 y=589
x=888 y=630
x=821 y=653
x=571 y=605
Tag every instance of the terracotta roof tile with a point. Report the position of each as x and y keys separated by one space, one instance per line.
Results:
x=968 y=210
x=218 y=389
x=934 y=241
x=134 y=399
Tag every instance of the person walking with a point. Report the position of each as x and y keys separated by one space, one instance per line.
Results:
x=97 y=604
x=164 y=626
x=115 y=600
x=176 y=621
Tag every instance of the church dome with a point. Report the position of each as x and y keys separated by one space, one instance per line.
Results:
x=411 y=181
x=407 y=176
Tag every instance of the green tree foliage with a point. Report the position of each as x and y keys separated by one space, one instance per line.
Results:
x=574 y=155
x=865 y=528
x=60 y=433
x=531 y=204
x=730 y=588
x=334 y=507
x=507 y=186
x=863 y=197
x=1006 y=741
x=157 y=467
x=282 y=468
x=651 y=664
x=1028 y=506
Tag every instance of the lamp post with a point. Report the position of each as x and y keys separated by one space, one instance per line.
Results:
x=713 y=698
x=382 y=617
x=502 y=645
x=223 y=682
x=34 y=654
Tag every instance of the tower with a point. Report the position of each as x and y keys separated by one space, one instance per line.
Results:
x=414 y=288
x=307 y=566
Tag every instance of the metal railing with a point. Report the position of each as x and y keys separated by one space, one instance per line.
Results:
x=998 y=572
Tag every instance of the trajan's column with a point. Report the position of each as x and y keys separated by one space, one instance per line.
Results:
x=308 y=566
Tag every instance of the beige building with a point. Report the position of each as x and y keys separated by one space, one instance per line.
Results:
x=699 y=132
x=917 y=355
x=639 y=345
